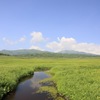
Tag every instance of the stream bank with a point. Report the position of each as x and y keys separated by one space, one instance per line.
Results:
x=37 y=87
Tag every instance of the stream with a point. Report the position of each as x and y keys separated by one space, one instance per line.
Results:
x=27 y=89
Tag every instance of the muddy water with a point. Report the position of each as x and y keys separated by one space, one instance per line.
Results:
x=27 y=89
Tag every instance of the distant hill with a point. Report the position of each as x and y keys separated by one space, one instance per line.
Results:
x=38 y=53
x=74 y=52
x=21 y=52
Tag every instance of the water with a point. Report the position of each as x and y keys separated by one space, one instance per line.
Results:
x=27 y=89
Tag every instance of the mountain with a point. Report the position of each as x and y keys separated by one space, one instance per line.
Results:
x=74 y=52
x=38 y=53
x=21 y=52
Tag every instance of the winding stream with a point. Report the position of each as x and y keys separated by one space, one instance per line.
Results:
x=27 y=89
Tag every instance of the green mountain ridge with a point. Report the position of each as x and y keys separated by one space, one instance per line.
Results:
x=74 y=52
x=38 y=53
x=21 y=52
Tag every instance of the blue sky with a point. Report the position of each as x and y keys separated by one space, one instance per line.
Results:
x=55 y=24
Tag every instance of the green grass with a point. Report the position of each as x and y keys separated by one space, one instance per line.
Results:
x=12 y=69
x=77 y=79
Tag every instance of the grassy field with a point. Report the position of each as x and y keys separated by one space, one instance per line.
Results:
x=76 y=78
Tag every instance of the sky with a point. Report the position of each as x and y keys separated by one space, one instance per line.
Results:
x=51 y=25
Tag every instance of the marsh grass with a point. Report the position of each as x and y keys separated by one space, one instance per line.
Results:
x=75 y=78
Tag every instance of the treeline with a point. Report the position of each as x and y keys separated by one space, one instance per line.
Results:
x=56 y=55
x=1 y=54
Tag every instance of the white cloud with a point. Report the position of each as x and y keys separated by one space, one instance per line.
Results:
x=62 y=44
x=36 y=47
x=7 y=41
x=37 y=37
x=88 y=47
x=22 y=39
x=13 y=42
x=71 y=44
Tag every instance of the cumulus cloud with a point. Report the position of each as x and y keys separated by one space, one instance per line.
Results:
x=37 y=37
x=62 y=44
x=71 y=44
x=36 y=47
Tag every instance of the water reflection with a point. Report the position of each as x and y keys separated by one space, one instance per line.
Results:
x=26 y=90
